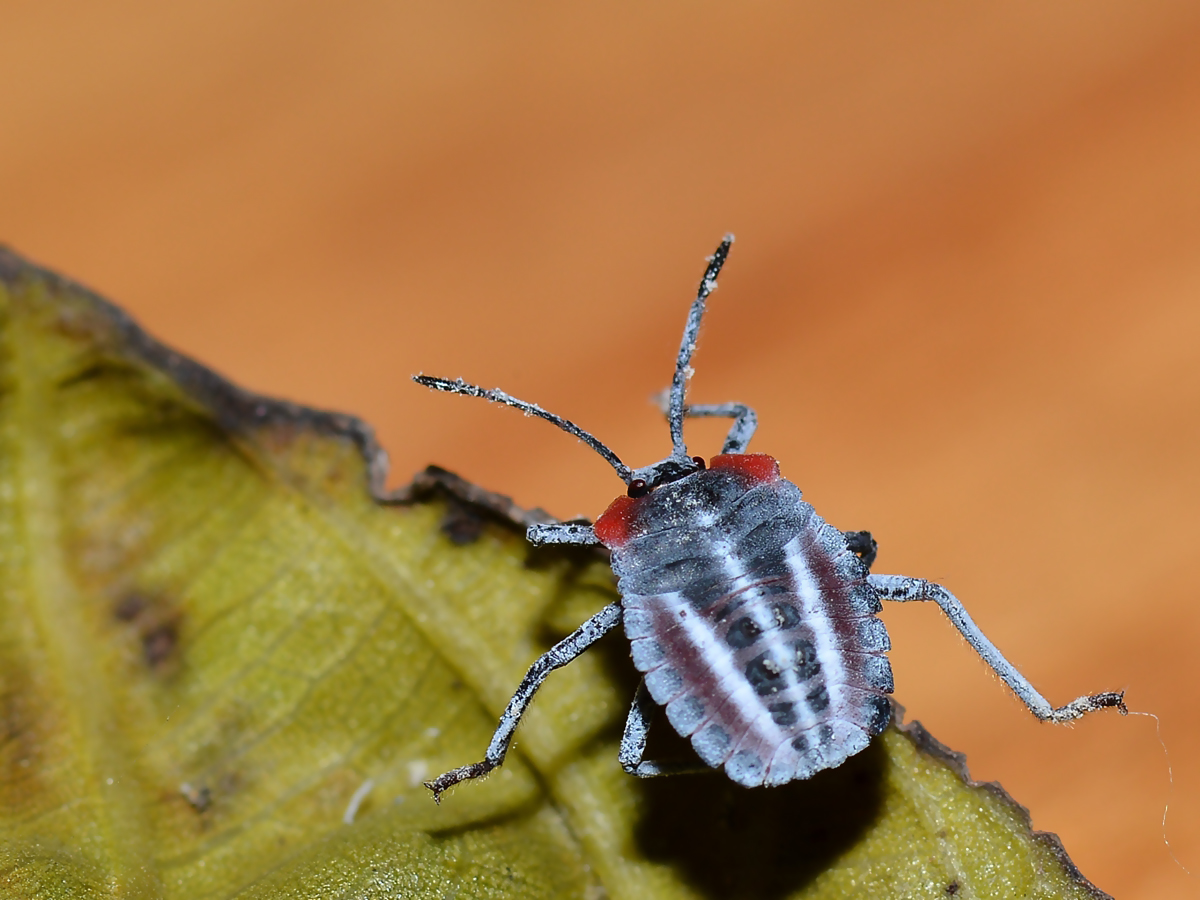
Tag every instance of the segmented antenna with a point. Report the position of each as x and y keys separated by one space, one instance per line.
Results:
x=687 y=347
x=458 y=386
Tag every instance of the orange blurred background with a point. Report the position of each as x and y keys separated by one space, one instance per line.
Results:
x=965 y=297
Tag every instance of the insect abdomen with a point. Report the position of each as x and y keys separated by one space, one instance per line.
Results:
x=753 y=625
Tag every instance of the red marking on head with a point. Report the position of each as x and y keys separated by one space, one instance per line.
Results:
x=757 y=467
x=612 y=528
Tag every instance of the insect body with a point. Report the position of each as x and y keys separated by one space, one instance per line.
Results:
x=751 y=620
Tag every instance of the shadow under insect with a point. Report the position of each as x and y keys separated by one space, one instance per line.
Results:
x=730 y=841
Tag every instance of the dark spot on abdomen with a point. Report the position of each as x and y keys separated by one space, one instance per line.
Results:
x=783 y=714
x=743 y=633
x=818 y=699
x=786 y=615
x=807 y=666
x=764 y=675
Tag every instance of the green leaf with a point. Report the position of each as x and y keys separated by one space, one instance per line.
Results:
x=217 y=636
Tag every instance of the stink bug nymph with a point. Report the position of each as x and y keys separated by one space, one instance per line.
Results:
x=752 y=621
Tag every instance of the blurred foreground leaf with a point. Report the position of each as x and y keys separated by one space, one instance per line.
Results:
x=217 y=637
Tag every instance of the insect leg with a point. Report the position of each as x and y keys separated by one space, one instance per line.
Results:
x=861 y=543
x=637 y=728
x=633 y=742
x=900 y=587
x=560 y=533
x=745 y=421
x=557 y=656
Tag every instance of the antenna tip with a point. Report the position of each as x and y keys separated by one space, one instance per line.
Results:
x=729 y=238
x=440 y=384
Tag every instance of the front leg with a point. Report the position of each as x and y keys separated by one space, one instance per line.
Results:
x=557 y=656
x=561 y=533
x=900 y=587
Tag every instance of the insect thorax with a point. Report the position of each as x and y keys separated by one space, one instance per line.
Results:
x=751 y=620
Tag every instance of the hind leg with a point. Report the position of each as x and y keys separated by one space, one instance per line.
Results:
x=901 y=588
x=633 y=742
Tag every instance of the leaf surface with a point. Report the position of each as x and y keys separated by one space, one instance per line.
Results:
x=228 y=661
